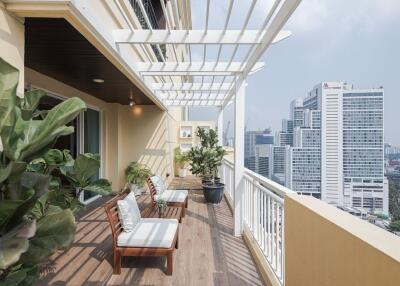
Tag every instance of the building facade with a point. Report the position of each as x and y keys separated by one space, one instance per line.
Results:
x=337 y=149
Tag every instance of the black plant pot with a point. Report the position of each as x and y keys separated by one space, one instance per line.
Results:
x=213 y=193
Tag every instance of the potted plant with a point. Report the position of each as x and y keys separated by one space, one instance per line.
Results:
x=136 y=175
x=205 y=160
x=181 y=162
x=161 y=206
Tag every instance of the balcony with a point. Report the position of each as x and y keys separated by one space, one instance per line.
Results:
x=208 y=254
x=261 y=232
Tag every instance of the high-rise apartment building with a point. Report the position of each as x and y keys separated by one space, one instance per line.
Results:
x=256 y=151
x=338 y=151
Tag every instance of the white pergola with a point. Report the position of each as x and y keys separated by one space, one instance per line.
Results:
x=221 y=82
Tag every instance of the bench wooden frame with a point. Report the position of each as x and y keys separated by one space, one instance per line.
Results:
x=153 y=192
x=120 y=251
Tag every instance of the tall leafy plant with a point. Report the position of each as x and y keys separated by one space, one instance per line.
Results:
x=36 y=218
x=206 y=158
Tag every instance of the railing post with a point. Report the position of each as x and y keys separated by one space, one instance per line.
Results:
x=239 y=158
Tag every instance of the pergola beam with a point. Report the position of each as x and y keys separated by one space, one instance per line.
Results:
x=229 y=37
x=272 y=30
x=180 y=102
x=201 y=67
x=191 y=86
x=199 y=97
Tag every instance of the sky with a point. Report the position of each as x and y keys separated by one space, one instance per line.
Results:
x=355 y=41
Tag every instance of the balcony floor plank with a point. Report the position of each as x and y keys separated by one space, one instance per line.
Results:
x=208 y=253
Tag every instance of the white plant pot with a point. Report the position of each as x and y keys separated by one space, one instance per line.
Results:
x=183 y=173
x=136 y=190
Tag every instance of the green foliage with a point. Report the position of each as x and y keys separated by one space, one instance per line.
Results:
x=161 y=204
x=394 y=200
x=395 y=225
x=206 y=159
x=80 y=173
x=36 y=210
x=136 y=174
x=181 y=158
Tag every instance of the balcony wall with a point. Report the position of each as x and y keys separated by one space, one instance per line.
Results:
x=12 y=41
x=318 y=243
x=326 y=246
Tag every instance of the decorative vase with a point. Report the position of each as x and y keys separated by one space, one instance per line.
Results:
x=182 y=172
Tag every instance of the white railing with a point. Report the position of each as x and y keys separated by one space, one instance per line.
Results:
x=263 y=214
x=226 y=172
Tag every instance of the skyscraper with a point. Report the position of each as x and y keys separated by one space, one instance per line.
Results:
x=256 y=151
x=338 y=147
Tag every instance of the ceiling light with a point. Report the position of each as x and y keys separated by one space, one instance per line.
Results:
x=98 y=80
x=131 y=101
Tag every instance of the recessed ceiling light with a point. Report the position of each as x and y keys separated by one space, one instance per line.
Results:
x=98 y=80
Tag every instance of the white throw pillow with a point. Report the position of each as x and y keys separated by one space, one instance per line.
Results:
x=128 y=212
x=158 y=184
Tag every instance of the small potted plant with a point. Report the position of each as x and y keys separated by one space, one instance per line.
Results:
x=161 y=206
x=136 y=175
x=181 y=162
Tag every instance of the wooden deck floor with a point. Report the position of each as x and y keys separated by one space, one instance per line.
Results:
x=208 y=253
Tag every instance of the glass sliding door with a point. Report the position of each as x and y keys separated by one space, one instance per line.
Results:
x=90 y=143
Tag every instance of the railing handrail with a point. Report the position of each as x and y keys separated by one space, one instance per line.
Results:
x=265 y=182
x=229 y=162
x=269 y=184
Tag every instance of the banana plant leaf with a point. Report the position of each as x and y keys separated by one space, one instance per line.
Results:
x=7 y=209
x=100 y=187
x=54 y=231
x=14 y=243
x=29 y=103
x=21 y=275
x=35 y=136
x=8 y=87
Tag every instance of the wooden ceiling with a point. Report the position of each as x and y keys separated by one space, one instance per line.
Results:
x=53 y=47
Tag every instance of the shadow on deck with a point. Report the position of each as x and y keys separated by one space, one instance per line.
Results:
x=208 y=253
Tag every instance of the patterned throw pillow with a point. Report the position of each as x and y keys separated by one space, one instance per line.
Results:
x=128 y=212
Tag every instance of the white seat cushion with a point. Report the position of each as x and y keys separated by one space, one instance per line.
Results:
x=150 y=232
x=128 y=212
x=158 y=184
x=174 y=196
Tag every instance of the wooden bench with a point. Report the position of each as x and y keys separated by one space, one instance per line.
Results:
x=120 y=251
x=169 y=212
x=153 y=193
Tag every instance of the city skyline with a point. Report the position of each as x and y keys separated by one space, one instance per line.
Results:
x=330 y=146
x=328 y=43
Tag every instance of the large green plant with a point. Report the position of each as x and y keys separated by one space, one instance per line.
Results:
x=206 y=159
x=35 y=214
x=136 y=174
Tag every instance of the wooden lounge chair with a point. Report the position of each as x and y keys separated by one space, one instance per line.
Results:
x=174 y=198
x=143 y=240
